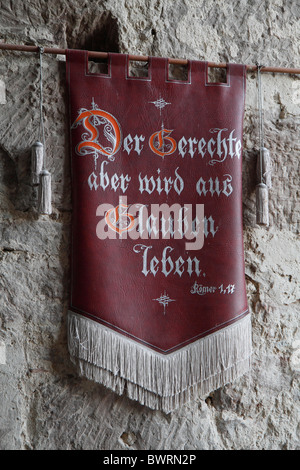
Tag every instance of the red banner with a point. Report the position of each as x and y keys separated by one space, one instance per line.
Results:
x=157 y=241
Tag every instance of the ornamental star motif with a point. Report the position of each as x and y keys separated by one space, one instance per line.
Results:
x=164 y=300
x=160 y=104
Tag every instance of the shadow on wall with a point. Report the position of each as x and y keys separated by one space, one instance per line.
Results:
x=15 y=180
x=94 y=34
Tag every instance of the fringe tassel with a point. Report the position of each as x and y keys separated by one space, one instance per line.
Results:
x=156 y=380
x=264 y=182
x=45 y=206
x=37 y=161
x=262 y=204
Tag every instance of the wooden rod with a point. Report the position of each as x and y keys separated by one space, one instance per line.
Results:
x=142 y=58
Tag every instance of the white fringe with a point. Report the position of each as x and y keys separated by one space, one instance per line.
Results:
x=157 y=380
x=37 y=161
x=45 y=193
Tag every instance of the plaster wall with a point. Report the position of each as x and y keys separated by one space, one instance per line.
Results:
x=44 y=404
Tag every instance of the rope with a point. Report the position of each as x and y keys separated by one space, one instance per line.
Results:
x=261 y=112
x=41 y=125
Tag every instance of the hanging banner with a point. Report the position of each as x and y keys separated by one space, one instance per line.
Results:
x=158 y=306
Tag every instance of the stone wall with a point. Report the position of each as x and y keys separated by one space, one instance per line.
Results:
x=44 y=404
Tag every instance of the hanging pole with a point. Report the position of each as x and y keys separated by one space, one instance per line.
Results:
x=142 y=58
